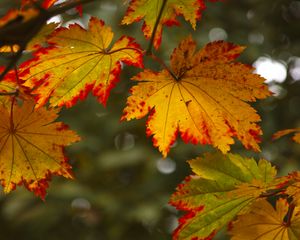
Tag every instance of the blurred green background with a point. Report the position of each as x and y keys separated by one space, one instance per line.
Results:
x=122 y=185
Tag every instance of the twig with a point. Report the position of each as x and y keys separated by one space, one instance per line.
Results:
x=15 y=93
x=33 y=26
x=149 y=50
x=290 y=214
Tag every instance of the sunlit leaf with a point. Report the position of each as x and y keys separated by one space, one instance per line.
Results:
x=223 y=187
x=282 y=133
x=149 y=11
x=77 y=62
x=31 y=147
x=189 y=100
x=9 y=87
x=294 y=189
x=265 y=223
x=45 y=3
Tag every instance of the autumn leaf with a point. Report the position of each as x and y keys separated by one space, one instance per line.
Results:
x=45 y=4
x=264 y=222
x=40 y=38
x=191 y=10
x=293 y=190
x=188 y=98
x=8 y=84
x=223 y=187
x=79 y=61
x=9 y=87
x=31 y=147
x=282 y=133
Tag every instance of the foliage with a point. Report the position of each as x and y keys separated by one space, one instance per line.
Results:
x=204 y=96
x=186 y=98
x=224 y=187
x=263 y=221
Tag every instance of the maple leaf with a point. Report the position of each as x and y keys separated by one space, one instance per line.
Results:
x=9 y=87
x=8 y=84
x=294 y=189
x=48 y=3
x=191 y=10
x=264 y=222
x=282 y=133
x=31 y=147
x=190 y=101
x=45 y=4
x=79 y=61
x=223 y=187
x=41 y=36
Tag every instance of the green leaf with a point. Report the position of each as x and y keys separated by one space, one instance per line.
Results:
x=223 y=187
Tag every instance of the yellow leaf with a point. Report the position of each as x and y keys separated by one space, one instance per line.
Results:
x=31 y=147
x=282 y=133
x=263 y=222
x=294 y=189
x=8 y=83
x=150 y=10
x=77 y=62
x=203 y=97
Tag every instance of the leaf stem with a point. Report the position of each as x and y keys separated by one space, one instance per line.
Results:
x=15 y=93
x=12 y=114
x=162 y=63
x=149 y=50
x=274 y=192
x=290 y=214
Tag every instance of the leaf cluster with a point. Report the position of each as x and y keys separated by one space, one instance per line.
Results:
x=204 y=97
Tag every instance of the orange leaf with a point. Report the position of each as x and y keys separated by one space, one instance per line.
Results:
x=293 y=190
x=31 y=147
x=282 y=133
x=191 y=10
x=264 y=222
x=48 y=3
x=45 y=4
x=79 y=61
x=9 y=86
x=204 y=98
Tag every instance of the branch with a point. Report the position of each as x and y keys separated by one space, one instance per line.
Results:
x=149 y=50
x=27 y=30
x=14 y=93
